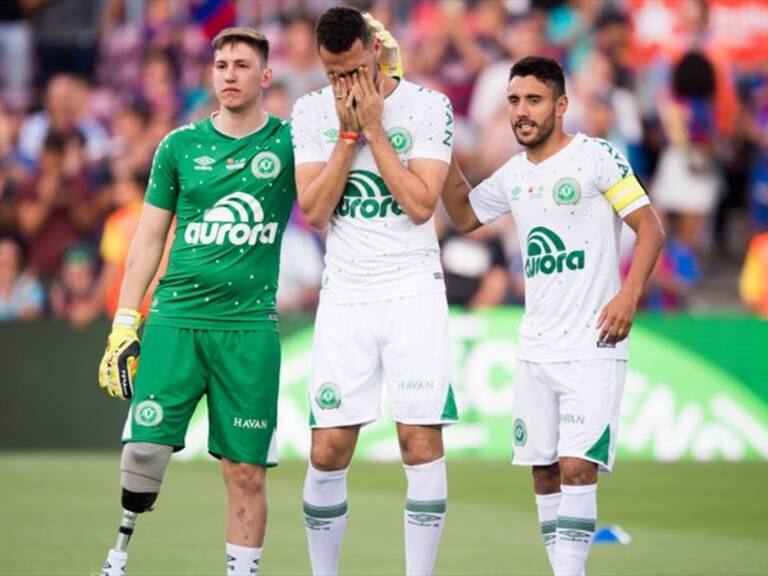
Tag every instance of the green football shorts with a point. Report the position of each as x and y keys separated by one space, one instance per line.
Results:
x=237 y=371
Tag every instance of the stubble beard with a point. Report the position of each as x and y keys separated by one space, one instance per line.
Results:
x=544 y=132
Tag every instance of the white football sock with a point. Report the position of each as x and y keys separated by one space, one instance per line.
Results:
x=115 y=563
x=424 y=515
x=325 y=516
x=242 y=561
x=575 y=528
x=548 y=505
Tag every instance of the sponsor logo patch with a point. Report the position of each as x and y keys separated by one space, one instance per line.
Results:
x=236 y=219
x=266 y=165
x=547 y=254
x=401 y=139
x=566 y=191
x=328 y=396
x=148 y=413
x=519 y=432
x=367 y=196
x=204 y=163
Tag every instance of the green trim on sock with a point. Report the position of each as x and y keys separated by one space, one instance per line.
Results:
x=428 y=506
x=599 y=450
x=325 y=511
x=572 y=523
x=450 y=412
x=548 y=527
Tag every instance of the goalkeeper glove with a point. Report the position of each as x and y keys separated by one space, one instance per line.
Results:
x=121 y=358
x=390 y=62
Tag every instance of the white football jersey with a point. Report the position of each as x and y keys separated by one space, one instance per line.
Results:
x=568 y=212
x=374 y=251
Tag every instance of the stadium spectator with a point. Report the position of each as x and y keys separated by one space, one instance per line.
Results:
x=672 y=284
x=570 y=28
x=277 y=100
x=74 y=295
x=687 y=181
x=22 y=297
x=57 y=208
x=131 y=143
x=757 y=131
x=15 y=53
x=753 y=284
x=452 y=51
x=475 y=268
x=127 y=195
x=298 y=68
x=601 y=108
x=301 y=268
x=65 y=36
x=488 y=104
x=12 y=169
x=158 y=89
x=67 y=108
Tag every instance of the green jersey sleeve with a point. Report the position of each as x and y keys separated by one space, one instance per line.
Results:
x=162 y=190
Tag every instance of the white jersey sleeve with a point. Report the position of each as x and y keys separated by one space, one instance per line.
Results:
x=434 y=135
x=614 y=178
x=488 y=199
x=306 y=130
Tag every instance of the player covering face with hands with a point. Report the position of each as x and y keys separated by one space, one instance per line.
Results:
x=228 y=184
x=569 y=195
x=372 y=153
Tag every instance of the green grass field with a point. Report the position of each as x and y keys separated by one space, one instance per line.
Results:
x=59 y=512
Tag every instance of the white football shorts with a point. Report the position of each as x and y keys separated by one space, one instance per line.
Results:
x=567 y=409
x=403 y=343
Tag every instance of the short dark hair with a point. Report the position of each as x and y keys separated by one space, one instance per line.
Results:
x=253 y=38
x=544 y=69
x=339 y=27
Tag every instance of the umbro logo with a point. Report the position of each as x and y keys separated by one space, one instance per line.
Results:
x=204 y=163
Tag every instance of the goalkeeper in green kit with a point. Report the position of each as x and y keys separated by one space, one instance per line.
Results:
x=228 y=181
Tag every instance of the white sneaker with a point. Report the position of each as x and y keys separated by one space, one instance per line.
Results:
x=115 y=563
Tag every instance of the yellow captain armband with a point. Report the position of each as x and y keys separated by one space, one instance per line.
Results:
x=625 y=192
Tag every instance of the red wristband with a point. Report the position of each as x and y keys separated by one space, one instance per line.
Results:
x=351 y=136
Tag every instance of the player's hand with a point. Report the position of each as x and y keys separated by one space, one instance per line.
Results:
x=121 y=358
x=368 y=98
x=616 y=317
x=345 y=105
x=390 y=62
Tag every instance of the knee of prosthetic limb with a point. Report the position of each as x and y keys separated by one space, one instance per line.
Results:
x=142 y=470
x=138 y=502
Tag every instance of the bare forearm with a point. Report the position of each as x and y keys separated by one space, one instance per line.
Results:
x=456 y=199
x=410 y=191
x=323 y=194
x=143 y=259
x=648 y=245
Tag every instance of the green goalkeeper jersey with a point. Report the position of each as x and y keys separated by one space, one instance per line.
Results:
x=232 y=198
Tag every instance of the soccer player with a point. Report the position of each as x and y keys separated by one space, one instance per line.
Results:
x=372 y=154
x=212 y=330
x=568 y=195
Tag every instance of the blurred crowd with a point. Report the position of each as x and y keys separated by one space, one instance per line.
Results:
x=89 y=87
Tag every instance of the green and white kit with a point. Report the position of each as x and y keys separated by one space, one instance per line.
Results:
x=377 y=259
x=567 y=409
x=568 y=212
x=212 y=327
